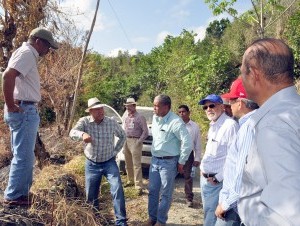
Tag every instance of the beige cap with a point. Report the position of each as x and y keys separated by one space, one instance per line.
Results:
x=130 y=101
x=44 y=34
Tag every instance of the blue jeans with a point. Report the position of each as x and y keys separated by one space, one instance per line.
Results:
x=93 y=176
x=162 y=175
x=23 y=129
x=231 y=219
x=210 y=199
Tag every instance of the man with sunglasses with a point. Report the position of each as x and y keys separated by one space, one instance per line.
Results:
x=242 y=108
x=220 y=135
x=21 y=91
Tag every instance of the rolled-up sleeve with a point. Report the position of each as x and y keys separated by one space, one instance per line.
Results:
x=78 y=130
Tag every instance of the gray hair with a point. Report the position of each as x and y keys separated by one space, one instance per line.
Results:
x=250 y=104
x=164 y=99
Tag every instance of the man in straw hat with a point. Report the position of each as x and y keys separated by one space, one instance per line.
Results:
x=98 y=132
x=136 y=130
x=21 y=91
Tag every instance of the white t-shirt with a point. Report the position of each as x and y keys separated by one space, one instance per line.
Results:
x=27 y=86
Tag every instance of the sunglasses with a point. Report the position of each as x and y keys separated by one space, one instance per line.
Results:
x=211 y=106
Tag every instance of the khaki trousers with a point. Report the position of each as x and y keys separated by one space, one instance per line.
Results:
x=133 y=155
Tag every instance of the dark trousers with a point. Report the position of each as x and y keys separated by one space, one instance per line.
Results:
x=188 y=185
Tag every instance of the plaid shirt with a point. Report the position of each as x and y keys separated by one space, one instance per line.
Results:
x=103 y=135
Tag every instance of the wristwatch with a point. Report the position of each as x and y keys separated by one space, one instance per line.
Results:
x=215 y=180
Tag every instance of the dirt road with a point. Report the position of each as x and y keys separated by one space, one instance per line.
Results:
x=179 y=214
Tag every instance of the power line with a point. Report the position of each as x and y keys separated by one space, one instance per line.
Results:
x=126 y=36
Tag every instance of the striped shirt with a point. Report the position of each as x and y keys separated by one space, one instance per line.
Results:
x=220 y=136
x=103 y=135
x=194 y=131
x=170 y=137
x=234 y=164
x=136 y=126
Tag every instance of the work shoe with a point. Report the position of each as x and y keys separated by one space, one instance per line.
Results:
x=128 y=184
x=189 y=204
x=140 y=191
x=149 y=222
x=21 y=201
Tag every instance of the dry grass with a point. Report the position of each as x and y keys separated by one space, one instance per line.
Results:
x=57 y=201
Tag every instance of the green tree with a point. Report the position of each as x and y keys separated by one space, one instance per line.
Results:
x=263 y=15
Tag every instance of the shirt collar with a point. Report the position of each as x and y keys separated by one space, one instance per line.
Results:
x=163 y=119
x=91 y=119
x=220 y=120
x=35 y=53
x=189 y=122
x=281 y=96
x=245 y=117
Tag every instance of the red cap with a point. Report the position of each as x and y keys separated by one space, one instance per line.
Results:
x=237 y=90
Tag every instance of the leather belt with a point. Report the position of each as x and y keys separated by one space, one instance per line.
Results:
x=25 y=102
x=207 y=175
x=132 y=137
x=165 y=157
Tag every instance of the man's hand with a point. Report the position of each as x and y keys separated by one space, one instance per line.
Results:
x=86 y=138
x=220 y=212
x=14 y=108
x=180 y=168
x=211 y=180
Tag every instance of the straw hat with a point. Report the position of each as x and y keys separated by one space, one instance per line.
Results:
x=130 y=101
x=93 y=103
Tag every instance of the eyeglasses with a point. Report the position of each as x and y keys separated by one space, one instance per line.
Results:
x=211 y=106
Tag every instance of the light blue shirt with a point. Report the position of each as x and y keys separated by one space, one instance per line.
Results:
x=170 y=137
x=269 y=193
x=234 y=165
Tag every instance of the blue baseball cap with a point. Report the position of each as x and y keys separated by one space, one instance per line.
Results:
x=213 y=98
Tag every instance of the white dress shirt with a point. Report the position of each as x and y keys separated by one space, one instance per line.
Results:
x=194 y=131
x=220 y=136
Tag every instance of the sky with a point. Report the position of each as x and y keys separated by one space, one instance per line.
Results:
x=141 y=25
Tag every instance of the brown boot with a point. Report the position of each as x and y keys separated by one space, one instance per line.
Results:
x=149 y=222
x=159 y=224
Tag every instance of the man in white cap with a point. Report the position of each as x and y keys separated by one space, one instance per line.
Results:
x=136 y=130
x=98 y=132
x=21 y=91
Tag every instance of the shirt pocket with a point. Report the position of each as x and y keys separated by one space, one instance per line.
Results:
x=213 y=147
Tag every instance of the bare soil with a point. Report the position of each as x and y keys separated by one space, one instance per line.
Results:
x=179 y=213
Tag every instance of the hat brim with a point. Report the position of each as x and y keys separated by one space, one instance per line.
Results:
x=54 y=45
x=229 y=96
x=130 y=103
x=96 y=106
x=202 y=102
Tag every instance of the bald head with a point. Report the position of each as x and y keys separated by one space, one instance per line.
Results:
x=273 y=57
